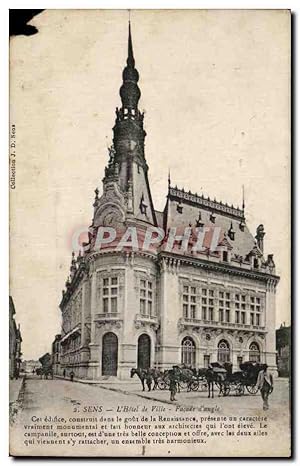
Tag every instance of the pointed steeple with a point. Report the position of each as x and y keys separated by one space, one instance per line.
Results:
x=127 y=165
x=130 y=59
x=129 y=91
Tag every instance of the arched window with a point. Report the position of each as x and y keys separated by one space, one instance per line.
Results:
x=254 y=353
x=223 y=351
x=188 y=352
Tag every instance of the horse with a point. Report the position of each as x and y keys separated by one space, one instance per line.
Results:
x=218 y=376
x=143 y=375
x=156 y=374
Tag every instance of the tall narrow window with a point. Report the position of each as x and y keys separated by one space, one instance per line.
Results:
x=110 y=291
x=146 y=298
x=189 y=302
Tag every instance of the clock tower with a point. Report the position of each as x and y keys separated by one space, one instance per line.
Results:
x=126 y=195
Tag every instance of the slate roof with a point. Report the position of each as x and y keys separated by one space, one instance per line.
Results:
x=191 y=205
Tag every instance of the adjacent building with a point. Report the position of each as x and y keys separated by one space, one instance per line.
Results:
x=283 y=346
x=130 y=307
x=30 y=366
x=55 y=353
x=15 y=341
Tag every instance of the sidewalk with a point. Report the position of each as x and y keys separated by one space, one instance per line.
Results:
x=16 y=389
x=111 y=381
x=16 y=393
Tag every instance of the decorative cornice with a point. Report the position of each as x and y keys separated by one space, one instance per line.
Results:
x=206 y=203
x=218 y=328
x=218 y=267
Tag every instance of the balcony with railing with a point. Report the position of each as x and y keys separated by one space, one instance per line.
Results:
x=111 y=316
x=220 y=324
x=144 y=319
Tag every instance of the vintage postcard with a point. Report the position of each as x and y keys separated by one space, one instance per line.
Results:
x=150 y=233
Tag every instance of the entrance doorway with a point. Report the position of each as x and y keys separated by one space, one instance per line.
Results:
x=144 y=351
x=109 y=354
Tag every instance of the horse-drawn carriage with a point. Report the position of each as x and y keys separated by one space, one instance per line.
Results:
x=188 y=378
x=237 y=382
x=192 y=379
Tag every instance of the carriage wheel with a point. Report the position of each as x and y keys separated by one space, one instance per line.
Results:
x=194 y=385
x=239 y=389
x=183 y=385
x=252 y=389
x=203 y=386
x=162 y=385
x=226 y=390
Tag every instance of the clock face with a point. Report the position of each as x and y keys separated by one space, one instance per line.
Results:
x=108 y=220
x=111 y=217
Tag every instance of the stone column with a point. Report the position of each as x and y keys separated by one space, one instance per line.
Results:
x=170 y=314
x=128 y=350
x=93 y=371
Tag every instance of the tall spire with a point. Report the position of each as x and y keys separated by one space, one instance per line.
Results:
x=129 y=91
x=130 y=59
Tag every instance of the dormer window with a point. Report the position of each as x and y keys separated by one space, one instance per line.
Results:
x=231 y=232
x=255 y=263
x=199 y=222
x=143 y=206
x=179 y=207
x=242 y=225
x=225 y=256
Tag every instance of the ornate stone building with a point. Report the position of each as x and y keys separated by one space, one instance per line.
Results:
x=131 y=307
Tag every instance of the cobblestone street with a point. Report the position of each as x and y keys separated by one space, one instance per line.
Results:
x=64 y=398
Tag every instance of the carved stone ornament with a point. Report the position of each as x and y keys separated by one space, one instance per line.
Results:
x=109 y=324
x=110 y=210
x=139 y=322
x=180 y=325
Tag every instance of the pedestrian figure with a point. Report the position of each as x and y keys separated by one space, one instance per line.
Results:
x=265 y=385
x=173 y=383
x=64 y=373
x=72 y=376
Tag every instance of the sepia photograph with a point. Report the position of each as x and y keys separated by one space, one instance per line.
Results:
x=150 y=235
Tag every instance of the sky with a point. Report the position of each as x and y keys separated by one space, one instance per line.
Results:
x=216 y=93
